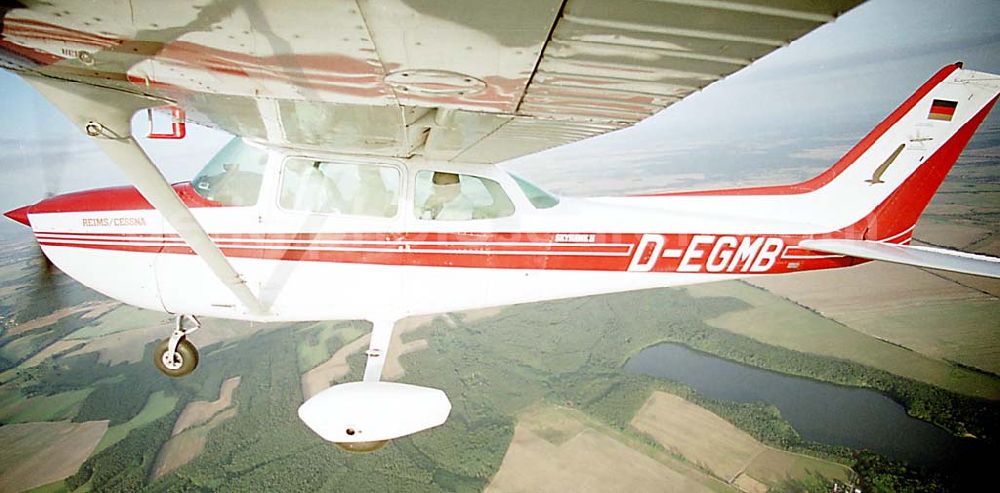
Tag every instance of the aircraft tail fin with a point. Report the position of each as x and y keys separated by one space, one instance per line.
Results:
x=905 y=159
x=879 y=188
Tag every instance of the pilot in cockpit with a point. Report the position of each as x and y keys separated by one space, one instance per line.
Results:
x=446 y=202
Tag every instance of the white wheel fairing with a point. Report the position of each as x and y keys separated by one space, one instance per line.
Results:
x=360 y=412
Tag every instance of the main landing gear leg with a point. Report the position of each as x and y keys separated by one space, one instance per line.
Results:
x=378 y=348
x=176 y=356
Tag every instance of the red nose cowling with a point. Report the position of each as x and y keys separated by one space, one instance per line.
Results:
x=20 y=215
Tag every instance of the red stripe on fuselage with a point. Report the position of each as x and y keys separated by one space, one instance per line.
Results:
x=538 y=251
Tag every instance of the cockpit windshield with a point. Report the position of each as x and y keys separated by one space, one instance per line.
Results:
x=538 y=197
x=233 y=176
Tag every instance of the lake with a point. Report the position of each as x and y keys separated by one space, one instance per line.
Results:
x=819 y=411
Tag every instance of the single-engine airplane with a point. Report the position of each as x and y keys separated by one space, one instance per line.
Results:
x=363 y=184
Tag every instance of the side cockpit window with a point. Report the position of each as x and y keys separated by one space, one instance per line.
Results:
x=233 y=176
x=325 y=187
x=538 y=197
x=443 y=196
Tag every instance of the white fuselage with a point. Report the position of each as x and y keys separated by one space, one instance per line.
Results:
x=321 y=266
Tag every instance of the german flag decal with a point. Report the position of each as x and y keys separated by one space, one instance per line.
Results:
x=942 y=109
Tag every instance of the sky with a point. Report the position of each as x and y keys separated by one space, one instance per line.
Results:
x=786 y=117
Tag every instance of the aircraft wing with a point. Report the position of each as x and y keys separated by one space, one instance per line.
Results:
x=472 y=81
x=919 y=256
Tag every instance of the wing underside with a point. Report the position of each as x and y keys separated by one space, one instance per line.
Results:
x=472 y=81
x=919 y=256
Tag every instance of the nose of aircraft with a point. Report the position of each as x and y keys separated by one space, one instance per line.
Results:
x=20 y=215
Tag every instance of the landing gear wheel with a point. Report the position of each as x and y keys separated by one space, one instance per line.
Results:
x=184 y=361
x=362 y=447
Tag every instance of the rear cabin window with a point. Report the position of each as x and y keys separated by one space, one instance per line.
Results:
x=233 y=176
x=443 y=196
x=358 y=189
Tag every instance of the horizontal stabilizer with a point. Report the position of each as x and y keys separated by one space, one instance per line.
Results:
x=932 y=258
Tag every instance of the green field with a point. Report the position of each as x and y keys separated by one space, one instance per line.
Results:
x=320 y=341
x=774 y=467
x=159 y=405
x=775 y=320
x=960 y=331
x=120 y=319
x=22 y=347
x=56 y=487
x=314 y=346
x=18 y=409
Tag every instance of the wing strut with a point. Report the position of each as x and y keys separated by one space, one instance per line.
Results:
x=105 y=114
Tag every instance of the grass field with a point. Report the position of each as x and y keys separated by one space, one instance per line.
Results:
x=320 y=377
x=18 y=409
x=118 y=318
x=36 y=454
x=90 y=310
x=778 y=321
x=919 y=310
x=313 y=350
x=558 y=449
x=949 y=233
x=772 y=467
x=24 y=346
x=182 y=448
x=713 y=443
x=54 y=487
x=199 y=412
x=703 y=438
x=123 y=337
x=158 y=405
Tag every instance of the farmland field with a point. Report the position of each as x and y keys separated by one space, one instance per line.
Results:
x=714 y=444
x=699 y=436
x=556 y=449
x=17 y=409
x=199 y=412
x=35 y=454
x=918 y=310
x=774 y=320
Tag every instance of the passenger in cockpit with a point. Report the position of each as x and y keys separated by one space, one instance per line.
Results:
x=373 y=197
x=315 y=191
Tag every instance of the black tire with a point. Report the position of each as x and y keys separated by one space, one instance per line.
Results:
x=362 y=447
x=186 y=353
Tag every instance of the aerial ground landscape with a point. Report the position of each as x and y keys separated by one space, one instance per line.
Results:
x=557 y=396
